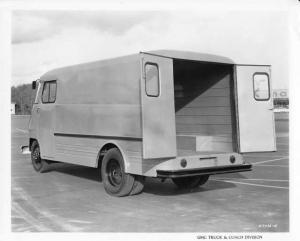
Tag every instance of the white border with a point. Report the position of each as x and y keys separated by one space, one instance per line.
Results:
x=213 y=5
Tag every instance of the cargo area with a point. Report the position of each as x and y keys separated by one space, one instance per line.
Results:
x=204 y=107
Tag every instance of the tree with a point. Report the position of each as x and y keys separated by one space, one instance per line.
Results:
x=23 y=96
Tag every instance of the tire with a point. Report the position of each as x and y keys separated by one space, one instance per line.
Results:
x=138 y=186
x=190 y=182
x=116 y=182
x=39 y=165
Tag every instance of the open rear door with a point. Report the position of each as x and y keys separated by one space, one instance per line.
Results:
x=255 y=109
x=158 y=112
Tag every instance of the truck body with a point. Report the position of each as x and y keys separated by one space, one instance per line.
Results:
x=170 y=114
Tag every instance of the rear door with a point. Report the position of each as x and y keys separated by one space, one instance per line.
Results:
x=158 y=111
x=255 y=109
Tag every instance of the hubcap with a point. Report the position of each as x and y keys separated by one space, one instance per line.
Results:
x=114 y=173
x=36 y=157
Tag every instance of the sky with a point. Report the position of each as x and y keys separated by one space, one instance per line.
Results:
x=47 y=39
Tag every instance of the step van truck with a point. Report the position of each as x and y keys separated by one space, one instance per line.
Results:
x=164 y=114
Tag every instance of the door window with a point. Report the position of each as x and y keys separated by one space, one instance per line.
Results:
x=49 y=92
x=45 y=95
x=52 y=92
x=152 y=79
x=261 y=86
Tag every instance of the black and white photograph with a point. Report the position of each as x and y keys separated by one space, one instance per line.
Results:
x=151 y=119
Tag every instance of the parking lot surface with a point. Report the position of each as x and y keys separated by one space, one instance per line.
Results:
x=71 y=198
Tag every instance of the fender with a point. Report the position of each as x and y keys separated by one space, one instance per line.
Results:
x=113 y=142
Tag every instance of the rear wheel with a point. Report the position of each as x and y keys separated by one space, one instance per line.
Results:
x=38 y=163
x=190 y=182
x=116 y=181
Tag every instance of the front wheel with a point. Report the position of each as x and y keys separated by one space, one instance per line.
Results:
x=190 y=182
x=38 y=163
x=116 y=181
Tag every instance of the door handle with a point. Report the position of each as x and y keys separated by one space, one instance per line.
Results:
x=37 y=109
x=271 y=108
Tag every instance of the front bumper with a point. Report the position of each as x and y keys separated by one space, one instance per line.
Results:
x=25 y=150
x=203 y=171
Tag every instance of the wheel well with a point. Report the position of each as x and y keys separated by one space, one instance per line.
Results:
x=102 y=152
x=31 y=140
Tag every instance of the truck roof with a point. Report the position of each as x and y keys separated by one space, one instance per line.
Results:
x=174 y=54
x=188 y=55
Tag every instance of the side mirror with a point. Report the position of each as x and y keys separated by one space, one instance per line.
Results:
x=33 y=85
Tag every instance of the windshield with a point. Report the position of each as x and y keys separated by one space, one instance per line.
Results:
x=36 y=100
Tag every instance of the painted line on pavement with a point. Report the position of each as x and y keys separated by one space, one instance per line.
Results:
x=79 y=221
x=21 y=130
x=252 y=179
x=262 y=156
x=272 y=160
x=33 y=221
x=272 y=165
x=251 y=184
x=54 y=220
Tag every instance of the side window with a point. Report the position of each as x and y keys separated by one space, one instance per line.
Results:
x=152 y=79
x=49 y=92
x=261 y=86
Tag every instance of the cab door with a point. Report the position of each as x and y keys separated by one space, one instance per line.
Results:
x=158 y=111
x=255 y=109
x=47 y=120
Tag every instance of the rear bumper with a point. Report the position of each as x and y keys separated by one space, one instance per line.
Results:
x=203 y=171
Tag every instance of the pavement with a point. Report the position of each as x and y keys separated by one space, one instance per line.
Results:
x=71 y=198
